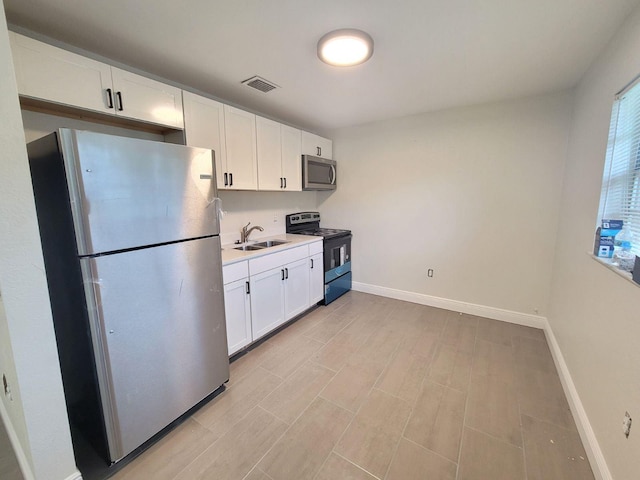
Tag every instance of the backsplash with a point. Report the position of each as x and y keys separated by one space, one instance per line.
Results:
x=266 y=209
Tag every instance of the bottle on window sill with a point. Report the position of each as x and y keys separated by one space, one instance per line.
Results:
x=622 y=255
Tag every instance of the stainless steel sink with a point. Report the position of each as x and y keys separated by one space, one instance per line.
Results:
x=247 y=248
x=270 y=243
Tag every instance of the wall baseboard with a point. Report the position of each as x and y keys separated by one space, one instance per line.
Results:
x=587 y=435
x=510 y=316
x=23 y=463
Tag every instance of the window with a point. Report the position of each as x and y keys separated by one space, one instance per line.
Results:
x=620 y=196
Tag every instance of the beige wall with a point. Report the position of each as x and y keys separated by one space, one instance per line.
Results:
x=37 y=413
x=470 y=192
x=593 y=312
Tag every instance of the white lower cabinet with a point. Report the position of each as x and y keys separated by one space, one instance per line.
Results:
x=316 y=279
x=263 y=293
x=296 y=288
x=237 y=305
x=267 y=301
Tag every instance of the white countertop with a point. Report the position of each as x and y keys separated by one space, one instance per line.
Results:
x=231 y=255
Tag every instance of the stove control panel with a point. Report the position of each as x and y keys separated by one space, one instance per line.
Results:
x=303 y=217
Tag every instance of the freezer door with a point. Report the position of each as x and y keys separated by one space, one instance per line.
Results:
x=128 y=193
x=158 y=326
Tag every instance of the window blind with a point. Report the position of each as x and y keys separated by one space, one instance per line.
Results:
x=620 y=196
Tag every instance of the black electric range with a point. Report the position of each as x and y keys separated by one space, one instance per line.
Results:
x=337 y=251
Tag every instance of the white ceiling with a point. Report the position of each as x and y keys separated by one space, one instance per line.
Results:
x=429 y=54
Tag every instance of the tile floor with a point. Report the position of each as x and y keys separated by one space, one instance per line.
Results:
x=372 y=388
x=9 y=468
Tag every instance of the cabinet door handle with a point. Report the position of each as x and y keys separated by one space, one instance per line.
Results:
x=226 y=179
x=319 y=150
x=248 y=289
x=280 y=182
x=120 y=105
x=109 y=98
x=230 y=179
x=285 y=182
x=286 y=271
x=312 y=263
x=282 y=272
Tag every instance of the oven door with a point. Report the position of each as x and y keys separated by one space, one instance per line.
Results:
x=337 y=257
x=318 y=173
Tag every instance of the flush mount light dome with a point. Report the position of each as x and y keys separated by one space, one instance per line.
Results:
x=345 y=47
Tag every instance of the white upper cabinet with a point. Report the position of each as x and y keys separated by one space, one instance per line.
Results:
x=56 y=75
x=241 y=172
x=204 y=128
x=147 y=100
x=279 y=150
x=291 y=158
x=52 y=74
x=269 y=155
x=317 y=146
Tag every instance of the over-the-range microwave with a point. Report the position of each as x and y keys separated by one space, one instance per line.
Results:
x=318 y=173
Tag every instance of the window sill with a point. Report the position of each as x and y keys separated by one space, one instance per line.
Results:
x=608 y=263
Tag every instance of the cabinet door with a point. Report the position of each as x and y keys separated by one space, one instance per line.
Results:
x=144 y=99
x=291 y=157
x=269 y=146
x=316 y=145
x=56 y=75
x=316 y=280
x=237 y=307
x=296 y=294
x=267 y=301
x=240 y=137
x=204 y=128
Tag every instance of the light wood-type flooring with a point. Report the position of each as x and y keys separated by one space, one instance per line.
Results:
x=372 y=388
x=9 y=468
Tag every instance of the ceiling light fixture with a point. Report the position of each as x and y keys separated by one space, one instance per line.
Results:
x=345 y=47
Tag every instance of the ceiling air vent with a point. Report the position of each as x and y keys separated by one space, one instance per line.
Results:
x=260 y=83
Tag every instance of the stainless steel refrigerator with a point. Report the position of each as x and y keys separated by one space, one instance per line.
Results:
x=130 y=236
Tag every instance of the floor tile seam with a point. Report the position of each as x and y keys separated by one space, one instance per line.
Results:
x=501 y=440
x=391 y=395
x=275 y=442
x=317 y=395
x=332 y=336
x=356 y=465
x=186 y=467
x=464 y=413
x=296 y=369
x=524 y=450
x=432 y=451
x=397 y=446
x=311 y=360
x=255 y=467
x=288 y=377
x=232 y=426
x=547 y=422
x=355 y=414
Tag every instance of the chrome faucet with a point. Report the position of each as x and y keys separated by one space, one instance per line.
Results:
x=244 y=233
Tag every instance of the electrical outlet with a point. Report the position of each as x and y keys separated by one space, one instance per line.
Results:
x=626 y=424
x=275 y=218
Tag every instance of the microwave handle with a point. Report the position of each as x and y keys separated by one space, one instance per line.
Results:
x=332 y=179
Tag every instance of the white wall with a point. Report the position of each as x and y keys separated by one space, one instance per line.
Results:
x=266 y=209
x=469 y=192
x=593 y=312
x=37 y=413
